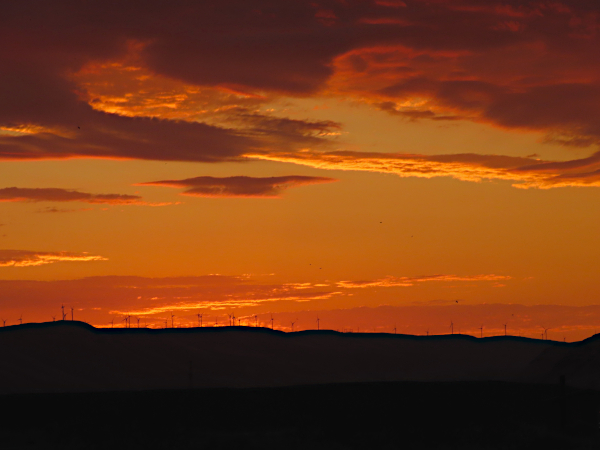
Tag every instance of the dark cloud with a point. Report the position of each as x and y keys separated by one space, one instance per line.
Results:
x=268 y=187
x=517 y=64
x=53 y=210
x=14 y=194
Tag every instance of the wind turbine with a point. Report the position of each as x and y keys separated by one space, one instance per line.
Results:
x=318 y=322
x=255 y=321
x=545 y=332
x=125 y=320
x=229 y=319
x=112 y=323
x=172 y=316
x=293 y=325
x=166 y=323
x=21 y=319
x=505 y=328
x=63 y=311
x=138 y=319
x=427 y=331
x=200 y=319
x=71 y=314
x=271 y=321
x=394 y=328
x=481 y=328
x=53 y=319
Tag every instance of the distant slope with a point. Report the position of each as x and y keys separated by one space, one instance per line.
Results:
x=73 y=356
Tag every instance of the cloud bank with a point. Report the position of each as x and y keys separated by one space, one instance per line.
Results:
x=78 y=82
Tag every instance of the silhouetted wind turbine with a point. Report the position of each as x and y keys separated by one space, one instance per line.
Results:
x=200 y=319
x=166 y=323
x=53 y=319
x=394 y=328
x=481 y=328
x=293 y=325
x=545 y=332
x=428 y=332
x=505 y=328
x=271 y=321
x=318 y=322
x=172 y=316
x=71 y=314
x=255 y=321
x=229 y=319
x=63 y=311
x=125 y=320
x=138 y=319
x=21 y=319
x=3 y=322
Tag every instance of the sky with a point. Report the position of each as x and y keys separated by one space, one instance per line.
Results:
x=420 y=167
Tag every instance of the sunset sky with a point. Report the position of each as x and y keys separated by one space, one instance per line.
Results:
x=376 y=164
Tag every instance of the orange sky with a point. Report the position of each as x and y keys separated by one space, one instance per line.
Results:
x=375 y=163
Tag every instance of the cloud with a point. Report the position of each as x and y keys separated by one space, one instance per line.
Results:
x=14 y=194
x=526 y=172
x=51 y=210
x=26 y=258
x=76 y=81
x=391 y=281
x=240 y=186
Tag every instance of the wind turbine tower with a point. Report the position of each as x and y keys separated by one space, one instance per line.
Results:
x=318 y=323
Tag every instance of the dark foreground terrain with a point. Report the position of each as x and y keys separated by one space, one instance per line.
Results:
x=390 y=415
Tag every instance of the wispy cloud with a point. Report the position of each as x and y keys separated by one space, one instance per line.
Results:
x=26 y=258
x=391 y=281
x=526 y=172
x=239 y=186
x=15 y=194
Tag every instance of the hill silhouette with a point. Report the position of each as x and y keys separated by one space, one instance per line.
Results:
x=71 y=356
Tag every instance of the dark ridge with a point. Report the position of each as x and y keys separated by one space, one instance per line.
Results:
x=247 y=329
x=72 y=356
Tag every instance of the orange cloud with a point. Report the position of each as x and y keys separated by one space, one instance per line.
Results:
x=25 y=258
x=526 y=172
x=391 y=281
x=240 y=186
